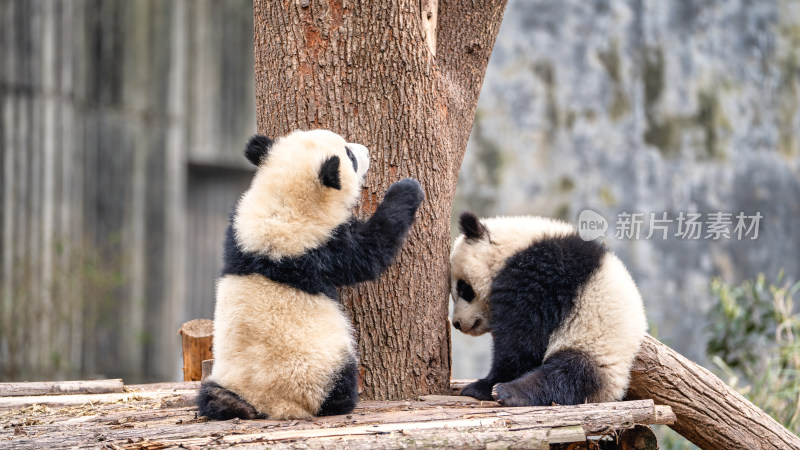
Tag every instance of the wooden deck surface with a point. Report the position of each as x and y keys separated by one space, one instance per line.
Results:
x=163 y=415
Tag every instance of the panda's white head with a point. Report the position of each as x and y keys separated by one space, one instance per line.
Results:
x=306 y=184
x=480 y=252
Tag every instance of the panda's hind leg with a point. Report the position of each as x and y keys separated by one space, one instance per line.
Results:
x=344 y=395
x=568 y=377
x=218 y=403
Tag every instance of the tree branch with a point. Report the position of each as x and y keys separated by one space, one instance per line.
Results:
x=709 y=412
x=466 y=34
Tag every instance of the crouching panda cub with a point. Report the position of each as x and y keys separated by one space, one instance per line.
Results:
x=565 y=315
x=283 y=347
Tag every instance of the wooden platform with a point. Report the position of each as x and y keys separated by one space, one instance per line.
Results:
x=163 y=415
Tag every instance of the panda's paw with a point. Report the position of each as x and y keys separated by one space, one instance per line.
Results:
x=480 y=390
x=406 y=192
x=507 y=394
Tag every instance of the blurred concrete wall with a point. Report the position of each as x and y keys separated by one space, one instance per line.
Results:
x=115 y=117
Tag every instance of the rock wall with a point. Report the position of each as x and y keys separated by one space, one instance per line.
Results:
x=647 y=107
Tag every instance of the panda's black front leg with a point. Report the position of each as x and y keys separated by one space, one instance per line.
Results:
x=383 y=234
x=366 y=248
x=506 y=366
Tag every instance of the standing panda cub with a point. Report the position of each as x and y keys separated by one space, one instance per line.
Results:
x=565 y=315
x=283 y=347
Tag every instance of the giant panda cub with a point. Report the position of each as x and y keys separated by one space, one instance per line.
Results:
x=565 y=315
x=283 y=347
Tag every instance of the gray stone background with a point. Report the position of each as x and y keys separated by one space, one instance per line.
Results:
x=651 y=107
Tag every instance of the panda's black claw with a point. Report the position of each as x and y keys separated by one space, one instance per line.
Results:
x=508 y=395
x=495 y=396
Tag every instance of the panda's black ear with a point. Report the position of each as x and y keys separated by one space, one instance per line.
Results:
x=472 y=228
x=329 y=173
x=257 y=148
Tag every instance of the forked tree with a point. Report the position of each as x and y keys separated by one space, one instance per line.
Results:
x=401 y=77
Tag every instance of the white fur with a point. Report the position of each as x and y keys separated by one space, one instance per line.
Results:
x=477 y=262
x=278 y=348
x=608 y=322
x=287 y=210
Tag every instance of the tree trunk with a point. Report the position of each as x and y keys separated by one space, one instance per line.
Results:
x=709 y=412
x=402 y=78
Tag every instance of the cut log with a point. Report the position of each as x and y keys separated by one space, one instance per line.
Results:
x=709 y=412
x=197 y=336
x=60 y=387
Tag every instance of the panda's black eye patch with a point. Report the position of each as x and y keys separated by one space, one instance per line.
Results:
x=464 y=290
x=352 y=158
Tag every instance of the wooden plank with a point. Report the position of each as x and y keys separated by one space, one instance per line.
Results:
x=159 y=416
x=167 y=386
x=60 y=387
x=169 y=419
x=454 y=399
x=83 y=399
x=450 y=435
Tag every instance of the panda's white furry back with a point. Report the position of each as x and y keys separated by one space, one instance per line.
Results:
x=565 y=315
x=283 y=347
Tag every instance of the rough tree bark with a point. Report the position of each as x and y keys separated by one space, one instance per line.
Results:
x=403 y=78
x=709 y=412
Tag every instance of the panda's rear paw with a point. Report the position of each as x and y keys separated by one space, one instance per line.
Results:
x=509 y=395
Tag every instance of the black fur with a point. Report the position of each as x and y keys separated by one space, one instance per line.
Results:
x=568 y=377
x=329 y=173
x=465 y=291
x=344 y=395
x=470 y=226
x=357 y=251
x=257 y=148
x=530 y=297
x=352 y=158
x=218 y=403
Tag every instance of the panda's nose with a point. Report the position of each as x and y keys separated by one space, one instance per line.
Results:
x=457 y=324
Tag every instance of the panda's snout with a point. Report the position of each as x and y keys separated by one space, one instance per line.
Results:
x=476 y=324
